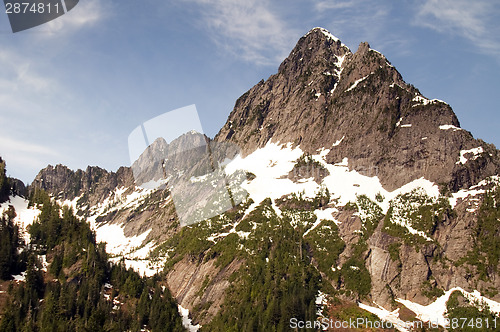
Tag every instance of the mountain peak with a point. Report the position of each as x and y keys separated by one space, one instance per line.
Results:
x=363 y=47
x=325 y=32
x=318 y=50
x=321 y=34
x=323 y=94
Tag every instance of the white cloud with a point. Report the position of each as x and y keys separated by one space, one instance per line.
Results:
x=360 y=20
x=37 y=108
x=27 y=97
x=23 y=89
x=86 y=13
x=474 y=20
x=15 y=146
x=24 y=158
x=18 y=72
x=250 y=29
x=328 y=5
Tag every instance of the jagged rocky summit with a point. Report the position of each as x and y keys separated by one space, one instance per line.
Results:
x=326 y=96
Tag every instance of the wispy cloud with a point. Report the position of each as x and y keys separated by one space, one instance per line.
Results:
x=20 y=73
x=27 y=96
x=250 y=29
x=12 y=145
x=476 y=21
x=328 y=5
x=85 y=14
x=360 y=20
x=20 y=82
x=25 y=157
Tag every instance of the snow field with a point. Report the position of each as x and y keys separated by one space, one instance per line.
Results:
x=24 y=215
x=436 y=311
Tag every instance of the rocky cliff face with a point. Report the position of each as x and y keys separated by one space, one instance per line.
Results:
x=96 y=182
x=325 y=95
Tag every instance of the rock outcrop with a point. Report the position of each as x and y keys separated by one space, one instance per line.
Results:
x=324 y=95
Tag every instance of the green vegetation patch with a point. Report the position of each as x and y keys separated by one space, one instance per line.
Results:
x=416 y=211
x=485 y=252
x=276 y=282
x=467 y=316
x=355 y=277
x=327 y=246
x=370 y=214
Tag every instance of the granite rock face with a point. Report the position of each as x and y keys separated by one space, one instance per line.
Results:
x=359 y=106
x=96 y=182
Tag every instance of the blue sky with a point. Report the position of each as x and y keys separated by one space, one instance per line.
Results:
x=72 y=90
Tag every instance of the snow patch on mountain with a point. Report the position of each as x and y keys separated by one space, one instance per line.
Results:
x=186 y=321
x=475 y=154
x=425 y=101
x=241 y=234
x=328 y=35
x=139 y=260
x=346 y=185
x=117 y=200
x=24 y=215
x=403 y=210
x=340 y=65
x=272 y=163
x=340 y=62
x=145 y=267
x=473 y=191
x=448 y=127
x=131 y=250
x=326 y=214
x=321 y=301
x=337 y=143
x=70 y=203
x=338 y=71
x=421 y=100
x=393 y=85
x=399 y=122
x=43 y=261
x=116 y=241
x=20 y=277
x=436 y=311
x=355 y=84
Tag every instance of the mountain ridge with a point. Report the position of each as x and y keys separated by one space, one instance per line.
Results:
x=350 y=122
x=252 y=110
x=359 y=99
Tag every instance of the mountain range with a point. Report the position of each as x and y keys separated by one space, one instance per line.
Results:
x=361 y=198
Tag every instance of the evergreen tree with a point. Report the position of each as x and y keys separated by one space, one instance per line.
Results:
x=4 y=182
x=9 y=242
